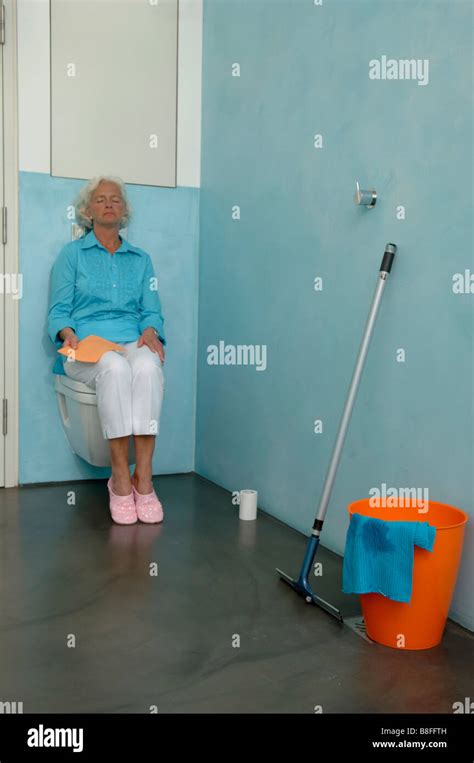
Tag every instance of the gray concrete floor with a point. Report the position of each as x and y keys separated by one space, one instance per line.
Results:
x=167 y=640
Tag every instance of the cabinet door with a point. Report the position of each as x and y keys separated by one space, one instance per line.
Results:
x=113 y=89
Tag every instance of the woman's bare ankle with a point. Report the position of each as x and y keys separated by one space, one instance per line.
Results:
x=142 y=484
x=121 y=483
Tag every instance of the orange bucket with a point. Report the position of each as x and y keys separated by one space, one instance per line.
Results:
x=420 y=623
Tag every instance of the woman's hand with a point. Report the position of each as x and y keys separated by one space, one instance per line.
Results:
x=70 y=338
x=150 y=339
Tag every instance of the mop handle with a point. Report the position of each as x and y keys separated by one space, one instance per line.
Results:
x=385 y=268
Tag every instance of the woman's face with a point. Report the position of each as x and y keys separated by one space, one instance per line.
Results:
x=106 y=206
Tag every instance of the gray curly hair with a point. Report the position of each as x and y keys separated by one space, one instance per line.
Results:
x=84 y=197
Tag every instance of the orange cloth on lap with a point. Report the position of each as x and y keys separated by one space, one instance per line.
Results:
x=91 y=349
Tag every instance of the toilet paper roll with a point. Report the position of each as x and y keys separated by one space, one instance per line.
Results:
x=248 y=504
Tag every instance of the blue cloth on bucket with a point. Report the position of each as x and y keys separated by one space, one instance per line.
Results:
x=379 y=555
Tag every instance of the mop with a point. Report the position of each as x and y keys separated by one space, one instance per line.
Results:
x=301 y=585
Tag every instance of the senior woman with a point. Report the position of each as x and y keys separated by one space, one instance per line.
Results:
x=104 y=286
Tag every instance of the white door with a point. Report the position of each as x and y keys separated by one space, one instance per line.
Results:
x=10 y=277
x=4 y=279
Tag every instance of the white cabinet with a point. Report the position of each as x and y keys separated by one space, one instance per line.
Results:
x=114 y=89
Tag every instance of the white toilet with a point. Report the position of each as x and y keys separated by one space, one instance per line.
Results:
x=80 y=418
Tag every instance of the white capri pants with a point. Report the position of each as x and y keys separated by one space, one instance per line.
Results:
x=129 y=387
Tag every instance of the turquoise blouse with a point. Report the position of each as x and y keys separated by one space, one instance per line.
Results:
x=94 y=292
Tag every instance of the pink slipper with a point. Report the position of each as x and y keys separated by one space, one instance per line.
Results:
x=122 y=507
x=149 y=508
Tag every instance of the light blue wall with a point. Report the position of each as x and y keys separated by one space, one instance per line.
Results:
x=165 y=223
x=304 y=70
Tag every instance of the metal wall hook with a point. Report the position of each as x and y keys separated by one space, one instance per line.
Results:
x=365 y=198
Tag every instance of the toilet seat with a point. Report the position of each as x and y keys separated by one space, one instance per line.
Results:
x=77 y=386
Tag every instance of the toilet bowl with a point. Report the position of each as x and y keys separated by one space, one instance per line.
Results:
x=80 y=418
